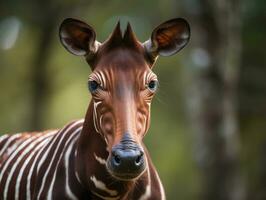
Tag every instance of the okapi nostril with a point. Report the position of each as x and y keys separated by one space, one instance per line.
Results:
x=138 y=160
x=117 y=159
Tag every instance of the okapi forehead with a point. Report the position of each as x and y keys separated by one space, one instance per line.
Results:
x=123 y=59
x=123 y=70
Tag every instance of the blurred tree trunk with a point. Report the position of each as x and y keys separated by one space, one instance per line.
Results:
x=48 y=14
x=47 y=21
x=40 y=76
x=214 y=90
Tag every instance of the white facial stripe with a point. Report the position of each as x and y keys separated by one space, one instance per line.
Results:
x=100 y=120
x=93 y=76
x=95 y=121
x=144 y=78
x=150 y=76
x=102 y=79
x=145 y=123
x=99 y=77
x=100 y=160
x=149 y=104
x=96 y=125
x=97 y=98
x=105 y=139
x=101 y=186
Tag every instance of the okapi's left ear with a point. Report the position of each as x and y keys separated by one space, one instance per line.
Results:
x=78 y=37
x=168 y=38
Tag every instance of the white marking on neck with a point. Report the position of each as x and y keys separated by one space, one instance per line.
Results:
x=105 y=198
x=44 y=139
x=77 y=176
x=54 y=154
x=101 y=186
x=147 y=193
x=67 y=160
x=7 y=164
x=8 y=142
x=59 y=134
x=100 y=160
x=76 y=172
x=28 y=193
x=3 y=137
x=72 y=137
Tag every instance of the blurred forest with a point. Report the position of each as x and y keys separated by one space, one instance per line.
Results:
x=208 y=130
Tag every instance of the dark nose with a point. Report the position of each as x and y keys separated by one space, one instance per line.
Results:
x=127 y=161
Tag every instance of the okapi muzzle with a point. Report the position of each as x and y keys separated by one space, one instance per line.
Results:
x=126 y=160
x=122 y=85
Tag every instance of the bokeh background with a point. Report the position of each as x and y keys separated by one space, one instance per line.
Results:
x=208 y=131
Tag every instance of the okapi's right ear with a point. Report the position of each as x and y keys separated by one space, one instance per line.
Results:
x=168 y=38
x=78 y=37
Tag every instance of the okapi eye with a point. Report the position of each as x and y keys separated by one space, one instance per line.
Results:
x=93 y=86
x=153 y=85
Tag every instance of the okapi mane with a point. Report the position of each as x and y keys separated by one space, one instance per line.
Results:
x=130 y=38
x=116 y=39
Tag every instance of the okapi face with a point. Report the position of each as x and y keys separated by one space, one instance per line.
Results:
x=122 y=85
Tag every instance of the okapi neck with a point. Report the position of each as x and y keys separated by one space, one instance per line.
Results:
x=90 y=143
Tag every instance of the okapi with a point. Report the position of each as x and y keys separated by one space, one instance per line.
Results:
x=102 y=156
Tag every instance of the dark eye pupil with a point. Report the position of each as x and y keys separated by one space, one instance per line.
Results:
x=152 y=85
x=93 y=86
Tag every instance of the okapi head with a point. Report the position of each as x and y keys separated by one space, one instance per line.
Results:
x=122 y=85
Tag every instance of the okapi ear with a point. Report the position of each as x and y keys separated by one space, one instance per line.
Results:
x=78 y=37
x=168 y=38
